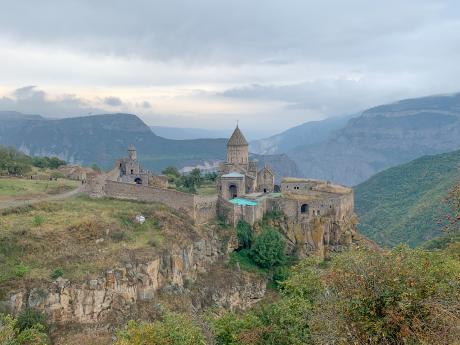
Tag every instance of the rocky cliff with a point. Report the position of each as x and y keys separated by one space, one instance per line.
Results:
x=320 y=236
x=117 y=294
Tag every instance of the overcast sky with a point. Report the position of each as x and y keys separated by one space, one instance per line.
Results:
x=193 y=63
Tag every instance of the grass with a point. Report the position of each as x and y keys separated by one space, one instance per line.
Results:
x=80 y=237
x=18 y=188
x=208 y=188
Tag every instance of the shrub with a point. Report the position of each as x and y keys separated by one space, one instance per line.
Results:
x=58 y=272
x=38 y=220
x=119 y=236
x=244 y=234
x=268 y=249
x=404 y=297
x=280 y=275
x=29 y=317
x=20 y=270
x=11 y=334
x=173 y=329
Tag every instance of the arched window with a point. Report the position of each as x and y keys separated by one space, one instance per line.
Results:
x=138 y=180
x=304 y=208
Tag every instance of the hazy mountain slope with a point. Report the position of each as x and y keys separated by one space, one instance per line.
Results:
x=403 y=203
x=308 y=133
x=281 y=164
x=103 y=138
x=382 y=137
x=179 y=133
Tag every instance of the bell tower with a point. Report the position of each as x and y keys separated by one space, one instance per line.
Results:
x=132 y=155
x=237 y=148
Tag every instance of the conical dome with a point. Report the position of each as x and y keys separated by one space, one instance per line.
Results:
x=237 y=138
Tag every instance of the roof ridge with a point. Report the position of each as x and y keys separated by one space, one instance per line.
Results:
x=237 y=138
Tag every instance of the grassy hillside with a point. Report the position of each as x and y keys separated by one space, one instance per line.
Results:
x=403 y=204
x=79 y=236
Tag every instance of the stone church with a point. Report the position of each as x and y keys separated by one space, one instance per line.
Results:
x=238 y=175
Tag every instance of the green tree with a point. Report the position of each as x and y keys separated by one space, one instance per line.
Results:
x=268 y=249
x=96 y=167
x=173 y=329
x=195 y=176
x=11 y=334
x=245 y=234
x=171 y=171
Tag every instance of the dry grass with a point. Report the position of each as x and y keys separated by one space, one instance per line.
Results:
x=19 y=189
x=83 y=237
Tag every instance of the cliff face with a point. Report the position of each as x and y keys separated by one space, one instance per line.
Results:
x=320 y=236
x=117 y=293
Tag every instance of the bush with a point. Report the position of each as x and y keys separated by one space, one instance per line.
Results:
x=38 y=220
x=173 y=329
x=171 y=172
x=29 y=317
x=11 y=334
x=268 y=249
x=20 y=270
x=280 y=275
x=96 y=167
x=119 y=236
x=58 y=272
x=245 y=234
x=404 y=297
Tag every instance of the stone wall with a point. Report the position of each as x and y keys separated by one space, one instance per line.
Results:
x=205 y=208
x=201 y=209
x=174 y=199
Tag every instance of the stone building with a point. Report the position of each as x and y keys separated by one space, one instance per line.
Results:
x=238 y=175
x=315 y=214
x=130 y=171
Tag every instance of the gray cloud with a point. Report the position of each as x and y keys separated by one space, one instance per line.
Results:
x=31 y=100
x=113 y=101
x=318 y=58
x=146 y=105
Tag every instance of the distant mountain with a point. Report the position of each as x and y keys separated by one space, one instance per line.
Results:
x=14 y=115
x=179 y=133
x=281 y=164
x=309 y=133
x=404 y=203
x=382 y=137
x=103 y=138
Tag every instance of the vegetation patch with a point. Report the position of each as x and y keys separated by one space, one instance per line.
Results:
x=80 y=237
x=407 y=203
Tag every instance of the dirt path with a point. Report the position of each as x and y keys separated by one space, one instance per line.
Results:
x=31 y=201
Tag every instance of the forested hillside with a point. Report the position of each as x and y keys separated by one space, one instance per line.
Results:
x=407 y=203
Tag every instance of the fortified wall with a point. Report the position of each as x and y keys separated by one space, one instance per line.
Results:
x=201 y=209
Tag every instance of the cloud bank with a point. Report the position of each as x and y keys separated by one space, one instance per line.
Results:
x=208 y=63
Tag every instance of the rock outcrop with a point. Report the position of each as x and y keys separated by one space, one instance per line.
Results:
x=318 y=236
x=118 y=290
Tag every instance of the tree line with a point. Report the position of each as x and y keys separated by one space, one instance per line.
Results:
x=16 y=163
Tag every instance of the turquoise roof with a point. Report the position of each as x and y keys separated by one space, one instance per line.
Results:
x=243 y=202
